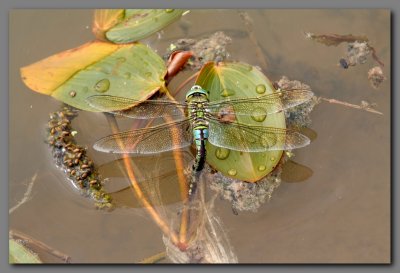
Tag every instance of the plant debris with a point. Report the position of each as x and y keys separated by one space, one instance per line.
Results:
x=245 y=196
x=357 y=53
x=335 y=39
x=212 y=48
x=358 y=50
x=72 y=158
x=376 y=77
x=298 y=116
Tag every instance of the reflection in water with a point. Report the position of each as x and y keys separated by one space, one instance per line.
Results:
x=294 y=172
x=158 y=179
x=208 y=241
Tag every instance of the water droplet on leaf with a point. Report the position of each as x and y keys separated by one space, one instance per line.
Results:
x=262 y=168
x=222 y=153
x=258 y=114
x=128 y=75
x=169 y=10
x=260 y=89
x=102 y=86
x=232 y=172
x=121 y=59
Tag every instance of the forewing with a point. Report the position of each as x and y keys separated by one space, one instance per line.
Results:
x=154 y=108
x=166 y=137
x=270 y=104
x=245 y=138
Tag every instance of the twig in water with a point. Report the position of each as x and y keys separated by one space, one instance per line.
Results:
x=13 y=234
x=27 y=194
x=364 y=105
x=248 y=23
x=154 y=259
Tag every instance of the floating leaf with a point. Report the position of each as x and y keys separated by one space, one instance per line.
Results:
x=132 y=71
x=227 y=81
x=19 y=254
x=104 y=19
x=131 y=25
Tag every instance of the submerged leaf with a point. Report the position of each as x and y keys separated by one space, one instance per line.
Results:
x=227 y=81
x=19 y=254
x=133 y=71
x=131 y=25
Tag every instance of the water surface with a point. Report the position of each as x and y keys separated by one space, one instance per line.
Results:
x=341 y=214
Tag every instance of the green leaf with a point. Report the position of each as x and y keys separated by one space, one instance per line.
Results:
x=135 y=25
x=227 y=81
x=98 y=68
x=19 y=254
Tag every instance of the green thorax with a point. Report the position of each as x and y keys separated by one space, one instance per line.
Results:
x=197 y=98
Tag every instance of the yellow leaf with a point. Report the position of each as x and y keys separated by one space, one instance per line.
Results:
x=47 y=75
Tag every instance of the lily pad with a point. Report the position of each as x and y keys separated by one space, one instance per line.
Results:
x=19 y=254
x=132 y=71
x=226 y=81
x=131 y=25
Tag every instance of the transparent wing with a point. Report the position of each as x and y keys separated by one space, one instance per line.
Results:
x=271 y=103
x=246 y=138
x=150 y=140
x=153 y=108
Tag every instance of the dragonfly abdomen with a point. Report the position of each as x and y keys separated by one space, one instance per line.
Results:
x=200 y=136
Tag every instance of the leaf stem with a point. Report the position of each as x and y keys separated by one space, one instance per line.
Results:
x=184 y=83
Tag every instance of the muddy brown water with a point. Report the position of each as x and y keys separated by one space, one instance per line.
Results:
x=341 y=214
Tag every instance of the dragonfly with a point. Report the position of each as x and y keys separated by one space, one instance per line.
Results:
x=198 y=120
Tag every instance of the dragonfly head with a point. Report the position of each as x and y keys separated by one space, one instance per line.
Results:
x=196 y=90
